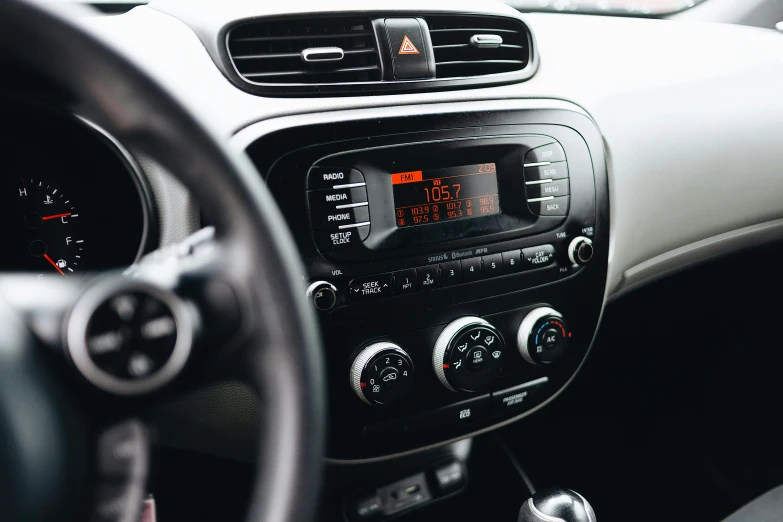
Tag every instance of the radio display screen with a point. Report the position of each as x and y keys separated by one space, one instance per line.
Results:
x=437 y=195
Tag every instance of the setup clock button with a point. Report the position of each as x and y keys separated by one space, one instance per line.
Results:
x=341 y=239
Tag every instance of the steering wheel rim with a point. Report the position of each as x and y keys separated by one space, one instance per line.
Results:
x=287 y=367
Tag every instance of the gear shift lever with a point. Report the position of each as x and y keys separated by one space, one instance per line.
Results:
x=557 y=505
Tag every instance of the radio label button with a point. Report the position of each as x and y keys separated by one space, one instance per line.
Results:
x=553 y=171
x=370 y=287
x=538 y=257
x=512 y=261
x=338 y=218
x=330 y=240
x=405 y=282
x=493 y=265
x=320 y=178
x=553 y=188
x=550 y=207
x=547 y=153
x=427 y=277
x=450 y=273
x=471 y=269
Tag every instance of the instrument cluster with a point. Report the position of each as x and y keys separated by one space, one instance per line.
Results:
x=71 y=199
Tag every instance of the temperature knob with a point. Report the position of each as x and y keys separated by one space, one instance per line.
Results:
x=382 y=373
x=468 y=354
x=543 y=336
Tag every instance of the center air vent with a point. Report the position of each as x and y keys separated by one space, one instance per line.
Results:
x=367 y=52
x=322 y=51
x=477 y=45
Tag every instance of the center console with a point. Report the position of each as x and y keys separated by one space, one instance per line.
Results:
x=457 y=257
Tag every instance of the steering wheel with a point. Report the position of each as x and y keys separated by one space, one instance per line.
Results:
x=81 y=358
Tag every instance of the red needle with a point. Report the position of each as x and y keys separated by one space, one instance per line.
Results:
x=55 y=216
x=46 y=256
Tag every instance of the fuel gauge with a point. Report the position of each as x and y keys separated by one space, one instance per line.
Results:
x=51 y=228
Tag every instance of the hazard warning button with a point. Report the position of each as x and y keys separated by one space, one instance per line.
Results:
x=411 y=52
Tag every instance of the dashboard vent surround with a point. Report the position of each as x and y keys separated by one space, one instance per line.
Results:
x=311 y=51
x=468 y=46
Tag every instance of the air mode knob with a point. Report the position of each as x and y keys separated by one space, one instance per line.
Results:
x=468 y=354
x=382 y=373
x=543 y=336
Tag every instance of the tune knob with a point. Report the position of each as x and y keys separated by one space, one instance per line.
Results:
x=580 y=250
x=543 y=336
x=468 y=354
x=382 y=373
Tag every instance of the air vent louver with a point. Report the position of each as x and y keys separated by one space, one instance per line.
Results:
x=459 y=51
x=271 y=51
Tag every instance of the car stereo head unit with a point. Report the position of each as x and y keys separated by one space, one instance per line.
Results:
x=423 y=196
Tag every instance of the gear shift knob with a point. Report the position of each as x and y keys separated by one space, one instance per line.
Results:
x=556 y=505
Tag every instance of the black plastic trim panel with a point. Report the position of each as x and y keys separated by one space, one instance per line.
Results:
x=414 y=321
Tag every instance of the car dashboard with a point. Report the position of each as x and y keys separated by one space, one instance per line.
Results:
x=463 y=221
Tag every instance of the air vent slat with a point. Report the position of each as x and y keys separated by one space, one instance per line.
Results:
x=269 y=52
x=456 y=56
x=312 y=72
x=272 y=56
x=314 y=36
x=467 y=46
x=473 y=30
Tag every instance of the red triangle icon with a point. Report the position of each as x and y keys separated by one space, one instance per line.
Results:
x=407 y=47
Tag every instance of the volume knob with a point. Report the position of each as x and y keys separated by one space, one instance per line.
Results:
x=382 y=373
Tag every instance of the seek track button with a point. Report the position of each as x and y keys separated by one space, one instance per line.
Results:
x=370 y=287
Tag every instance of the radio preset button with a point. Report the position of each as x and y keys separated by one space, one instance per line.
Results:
x=512 y=261
x=550 y=207
x=493 y=265
x=370 y=287
x=331 y=240
x=471 y=269
x=326 y=200
x=553 y=171
x=405 y=282
x=427 y=277
x=450 y=273
x=553 y=188
x=339 y=218
x=320 y=178
x=538 y=257
x=546 y=153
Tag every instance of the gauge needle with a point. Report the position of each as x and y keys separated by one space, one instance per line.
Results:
x=55 y=216
x=46 y=256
